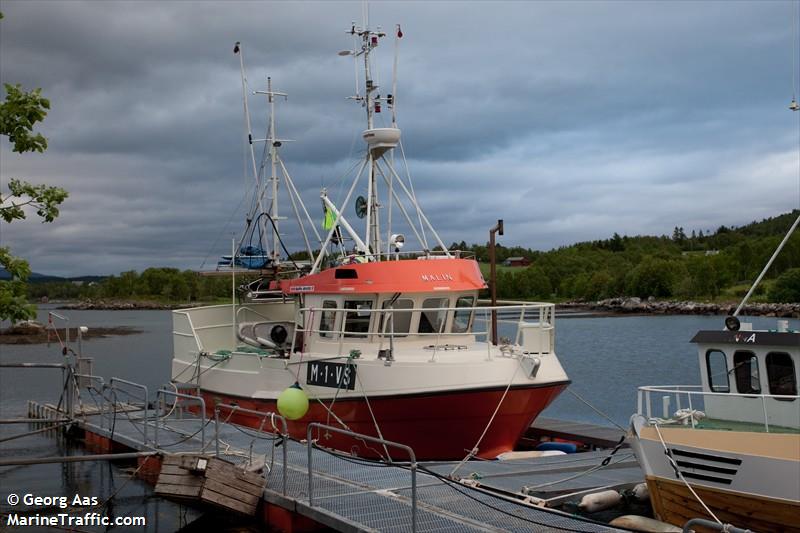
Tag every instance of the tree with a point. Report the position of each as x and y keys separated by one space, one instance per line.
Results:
x=13 y=302
x=786 y=288
x=652 y=277
x=20 y=111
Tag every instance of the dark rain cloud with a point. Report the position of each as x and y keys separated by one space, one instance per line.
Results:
x=570 y=120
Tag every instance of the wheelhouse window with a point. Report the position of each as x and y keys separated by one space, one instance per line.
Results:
x=463 y=314
x=357 y=318
x=717 y=368
x=781 y=374
x=745 y=366
x=431 y=321
x=398 y=322
x=327 y=320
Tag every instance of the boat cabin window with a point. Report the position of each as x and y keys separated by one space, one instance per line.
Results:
x=745 y=366
x=327 y=320
x=357 y=318
x=781 y=374
x=717 y=368
x=463 y=314
x=400 y=321
x=432 y=321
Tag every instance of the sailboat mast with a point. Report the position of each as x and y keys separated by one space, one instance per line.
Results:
x=273 y=156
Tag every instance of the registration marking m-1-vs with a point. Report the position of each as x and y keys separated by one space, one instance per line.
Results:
x=334 y=375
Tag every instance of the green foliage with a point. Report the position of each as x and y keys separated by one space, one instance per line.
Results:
x=44 y=198
x=13 y=302
x=652 y=277
x=154 y=284
x=787 y=287
x=20 y=111
x=698 y=265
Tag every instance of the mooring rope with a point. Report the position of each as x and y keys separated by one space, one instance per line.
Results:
x=474 y=450
x=680 y=476
x=595 y=409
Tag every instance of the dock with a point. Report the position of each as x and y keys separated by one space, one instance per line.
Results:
x=306 y=486
x=591 y=435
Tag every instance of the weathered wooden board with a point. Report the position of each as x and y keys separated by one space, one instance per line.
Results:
x=232 y=488
x=222 y=484
x=176 y=481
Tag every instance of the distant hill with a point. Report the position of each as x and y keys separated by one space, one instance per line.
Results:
x=690 y=263
x=36 y=277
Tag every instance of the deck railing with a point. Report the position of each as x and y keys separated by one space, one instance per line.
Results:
x=381 y=327
x=473 y=325
x=692 y=398
x=412 y=464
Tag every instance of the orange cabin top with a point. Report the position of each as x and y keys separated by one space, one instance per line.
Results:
x=423 y=275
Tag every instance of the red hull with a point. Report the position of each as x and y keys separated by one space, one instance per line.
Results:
x=438 y=426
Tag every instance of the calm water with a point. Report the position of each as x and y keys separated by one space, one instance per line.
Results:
x=606 y=359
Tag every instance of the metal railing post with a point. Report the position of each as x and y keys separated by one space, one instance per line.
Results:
x=102 y=382
x=766 y=418
x=639 y=402
x=163 y=393
x=145 y=399
x=216 y=431
x=361 y=436
x=310 y=468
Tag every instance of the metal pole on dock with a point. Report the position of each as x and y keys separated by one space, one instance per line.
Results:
x=50 y=427
x=16 y=461
x=493 y=275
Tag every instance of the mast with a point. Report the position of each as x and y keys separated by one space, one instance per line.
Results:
x=376 y=166
x=273 y=156
x=371 y=100
x=274 y=144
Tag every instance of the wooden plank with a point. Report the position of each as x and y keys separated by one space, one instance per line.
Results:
x=178 y=490
x=175 y=479
x=230 y=474
x=233 y=480
x=232 y=492
x=174 y=460
x=226 y=502
x=177 y=470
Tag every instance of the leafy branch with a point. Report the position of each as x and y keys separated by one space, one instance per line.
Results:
x=45 y=199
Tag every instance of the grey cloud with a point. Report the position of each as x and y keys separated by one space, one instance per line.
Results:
x=569 y=120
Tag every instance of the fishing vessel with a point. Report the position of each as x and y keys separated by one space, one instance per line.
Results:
x=730 y=452
x=384 y=341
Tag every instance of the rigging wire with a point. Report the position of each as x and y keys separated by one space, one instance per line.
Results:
x=795 y=45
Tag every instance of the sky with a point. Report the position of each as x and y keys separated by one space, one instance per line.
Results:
x=569 y=120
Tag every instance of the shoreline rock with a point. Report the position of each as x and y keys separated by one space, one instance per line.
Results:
x=634 y=305
x=35 y=333
x=124 y=305
x=620 y=306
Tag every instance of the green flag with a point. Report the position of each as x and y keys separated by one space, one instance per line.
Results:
x=327 y=223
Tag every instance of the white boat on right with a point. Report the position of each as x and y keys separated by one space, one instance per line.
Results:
x=727 y=450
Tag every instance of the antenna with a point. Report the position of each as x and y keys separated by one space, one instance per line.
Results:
x=392 y=98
